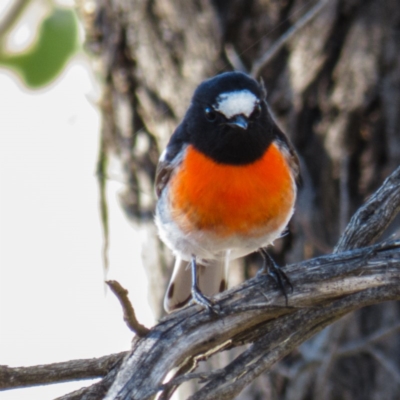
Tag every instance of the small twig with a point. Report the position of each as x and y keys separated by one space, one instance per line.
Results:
x=349 y=349
x=129 y=313
x=102 y=164
x=357 y=346
x=388 y=364
x=321 y=384
x=274 y=49
x=234 y=58
x=344 y=195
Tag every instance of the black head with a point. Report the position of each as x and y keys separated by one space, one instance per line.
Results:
x=228 y=119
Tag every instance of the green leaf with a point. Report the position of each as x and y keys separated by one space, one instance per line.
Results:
x=57 y=42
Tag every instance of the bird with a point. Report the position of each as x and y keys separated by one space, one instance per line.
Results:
x=226 y=187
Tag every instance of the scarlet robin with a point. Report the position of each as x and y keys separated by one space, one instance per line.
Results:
x=226 y=186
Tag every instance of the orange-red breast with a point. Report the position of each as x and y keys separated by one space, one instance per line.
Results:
x=226 y=186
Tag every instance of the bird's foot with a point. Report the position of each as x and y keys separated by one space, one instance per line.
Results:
x=271 y=268
x=198 y=297
x=202 y=300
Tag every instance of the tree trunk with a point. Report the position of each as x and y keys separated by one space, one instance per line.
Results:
x=334 y=87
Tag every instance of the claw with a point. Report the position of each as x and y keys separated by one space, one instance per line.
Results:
x=271 y=268
x=198 y=297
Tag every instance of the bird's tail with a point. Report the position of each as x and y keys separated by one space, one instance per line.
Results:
x=212 y=279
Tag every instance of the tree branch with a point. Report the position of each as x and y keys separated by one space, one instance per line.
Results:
x=325 y=289
x=94 y=392
x=372 y=219
x=259 y=64
x=129 y=313
x=58 y=372
x=363 y=344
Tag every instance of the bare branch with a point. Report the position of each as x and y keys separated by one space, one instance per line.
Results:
x=129 y=313
x=372 y=219
x=388 y=364
x=331 y=343
x=333 y=285
x=259 y=64
x=363 y=344
x=326 y=288
x=298 y=329
x=356 y=234
x=96 y=391
x=58 y=372
x=234 y=58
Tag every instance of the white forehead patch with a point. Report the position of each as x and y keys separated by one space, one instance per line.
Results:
x=235 y=103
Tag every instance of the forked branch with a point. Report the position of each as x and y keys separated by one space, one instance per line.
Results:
x=326 y=288
x=254 y=313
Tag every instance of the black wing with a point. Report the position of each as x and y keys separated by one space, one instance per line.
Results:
x=291 y=156
x=171 y=158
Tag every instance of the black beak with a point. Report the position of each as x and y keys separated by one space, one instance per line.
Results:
x=238 y=121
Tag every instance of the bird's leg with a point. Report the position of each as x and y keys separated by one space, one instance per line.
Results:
x=271 y=268
x=197 y=296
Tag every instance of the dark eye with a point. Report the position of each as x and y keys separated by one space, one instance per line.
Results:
x=257 y=111
x=211 y=115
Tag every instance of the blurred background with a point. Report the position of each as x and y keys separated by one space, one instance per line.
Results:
x=81 y=136
x=53 y=303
